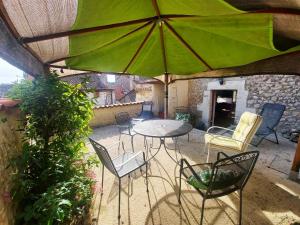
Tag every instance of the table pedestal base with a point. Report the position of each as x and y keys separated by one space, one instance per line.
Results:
x=162 y=144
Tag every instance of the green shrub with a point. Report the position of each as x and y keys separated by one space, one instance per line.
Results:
x=18 y=90
x=51 y=182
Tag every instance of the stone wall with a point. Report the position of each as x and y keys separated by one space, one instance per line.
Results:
x=281 y=89
x=196 y=91
x=10 y=145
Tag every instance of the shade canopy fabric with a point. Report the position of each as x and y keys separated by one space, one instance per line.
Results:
x=155 y=37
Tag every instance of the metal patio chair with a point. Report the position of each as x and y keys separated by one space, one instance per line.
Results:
x=121 y=166
x=183 y=113
x=239 y=139
x=124 y=124
x=212 y=180
x=271 y=114
x=146 y=113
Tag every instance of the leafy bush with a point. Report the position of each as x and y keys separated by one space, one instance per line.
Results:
x=51 y=183
x=18 y=90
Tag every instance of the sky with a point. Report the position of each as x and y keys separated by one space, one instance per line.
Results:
x=111 y=78
x=9 y=73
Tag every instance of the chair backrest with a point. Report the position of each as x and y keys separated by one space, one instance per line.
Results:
x=240 y=166
x=271 y=114
x=147 y=106
x=123 y=118
x=182 y=109
x=246 y=128
x=104 y=156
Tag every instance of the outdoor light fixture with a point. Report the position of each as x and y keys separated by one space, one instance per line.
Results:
x=221 y=81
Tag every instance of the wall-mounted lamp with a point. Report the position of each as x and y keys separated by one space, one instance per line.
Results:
x=221 y=80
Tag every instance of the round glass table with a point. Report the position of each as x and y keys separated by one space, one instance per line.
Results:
x=162 y=129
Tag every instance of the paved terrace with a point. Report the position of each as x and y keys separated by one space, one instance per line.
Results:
x=269 y=197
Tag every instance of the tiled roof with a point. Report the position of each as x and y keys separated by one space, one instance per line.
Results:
x=94 y=81
x=8 y=103
x=142 y=80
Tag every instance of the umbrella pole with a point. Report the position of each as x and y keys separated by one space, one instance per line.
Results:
x=166 y=96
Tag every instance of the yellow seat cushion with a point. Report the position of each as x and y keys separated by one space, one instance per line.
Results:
x=243 y=134
x=247 y=127
x=222 y=142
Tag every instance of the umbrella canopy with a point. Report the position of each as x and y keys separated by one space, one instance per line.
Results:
x=151 y=38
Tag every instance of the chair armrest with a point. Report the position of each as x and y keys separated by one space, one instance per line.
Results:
x=220 y=136
x=123 y=126
x=220 y=154
x=222 y=128
x=131 y=158
x=182 y=161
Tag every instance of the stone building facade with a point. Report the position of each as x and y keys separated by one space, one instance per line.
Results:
x=252 y=93
x=276 y=89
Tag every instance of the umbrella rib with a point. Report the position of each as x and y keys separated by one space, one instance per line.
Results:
x=161 y=34
x=87 y=70
x=84 y=30
x=155 y=5
x=188 y=46
x=26 y=40
x=139 y=48
x=119 y=38
x=162 y=44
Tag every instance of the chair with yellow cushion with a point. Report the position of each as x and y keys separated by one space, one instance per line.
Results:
x=239 y=140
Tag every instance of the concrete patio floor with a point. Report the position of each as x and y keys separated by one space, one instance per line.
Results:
x=269 y=197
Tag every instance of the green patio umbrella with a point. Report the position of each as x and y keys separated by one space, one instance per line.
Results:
x=168 y=37
x=146 y=37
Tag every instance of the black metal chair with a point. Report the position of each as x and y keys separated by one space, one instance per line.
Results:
x=226 y=175
x=120 y=166
x=271 y=114
x=124 y=124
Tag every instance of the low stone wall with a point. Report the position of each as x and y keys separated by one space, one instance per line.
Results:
x=10 y=145
x=105 y=115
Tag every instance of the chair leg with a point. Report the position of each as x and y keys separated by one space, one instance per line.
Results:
x=119 y=142
x=132 y=143
x=208 y=154
x=241 y=207
x=277 y=142
x=202 y=211
x=102 y=180
x=119 y=212
x=147 y=177
x=179 y=195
